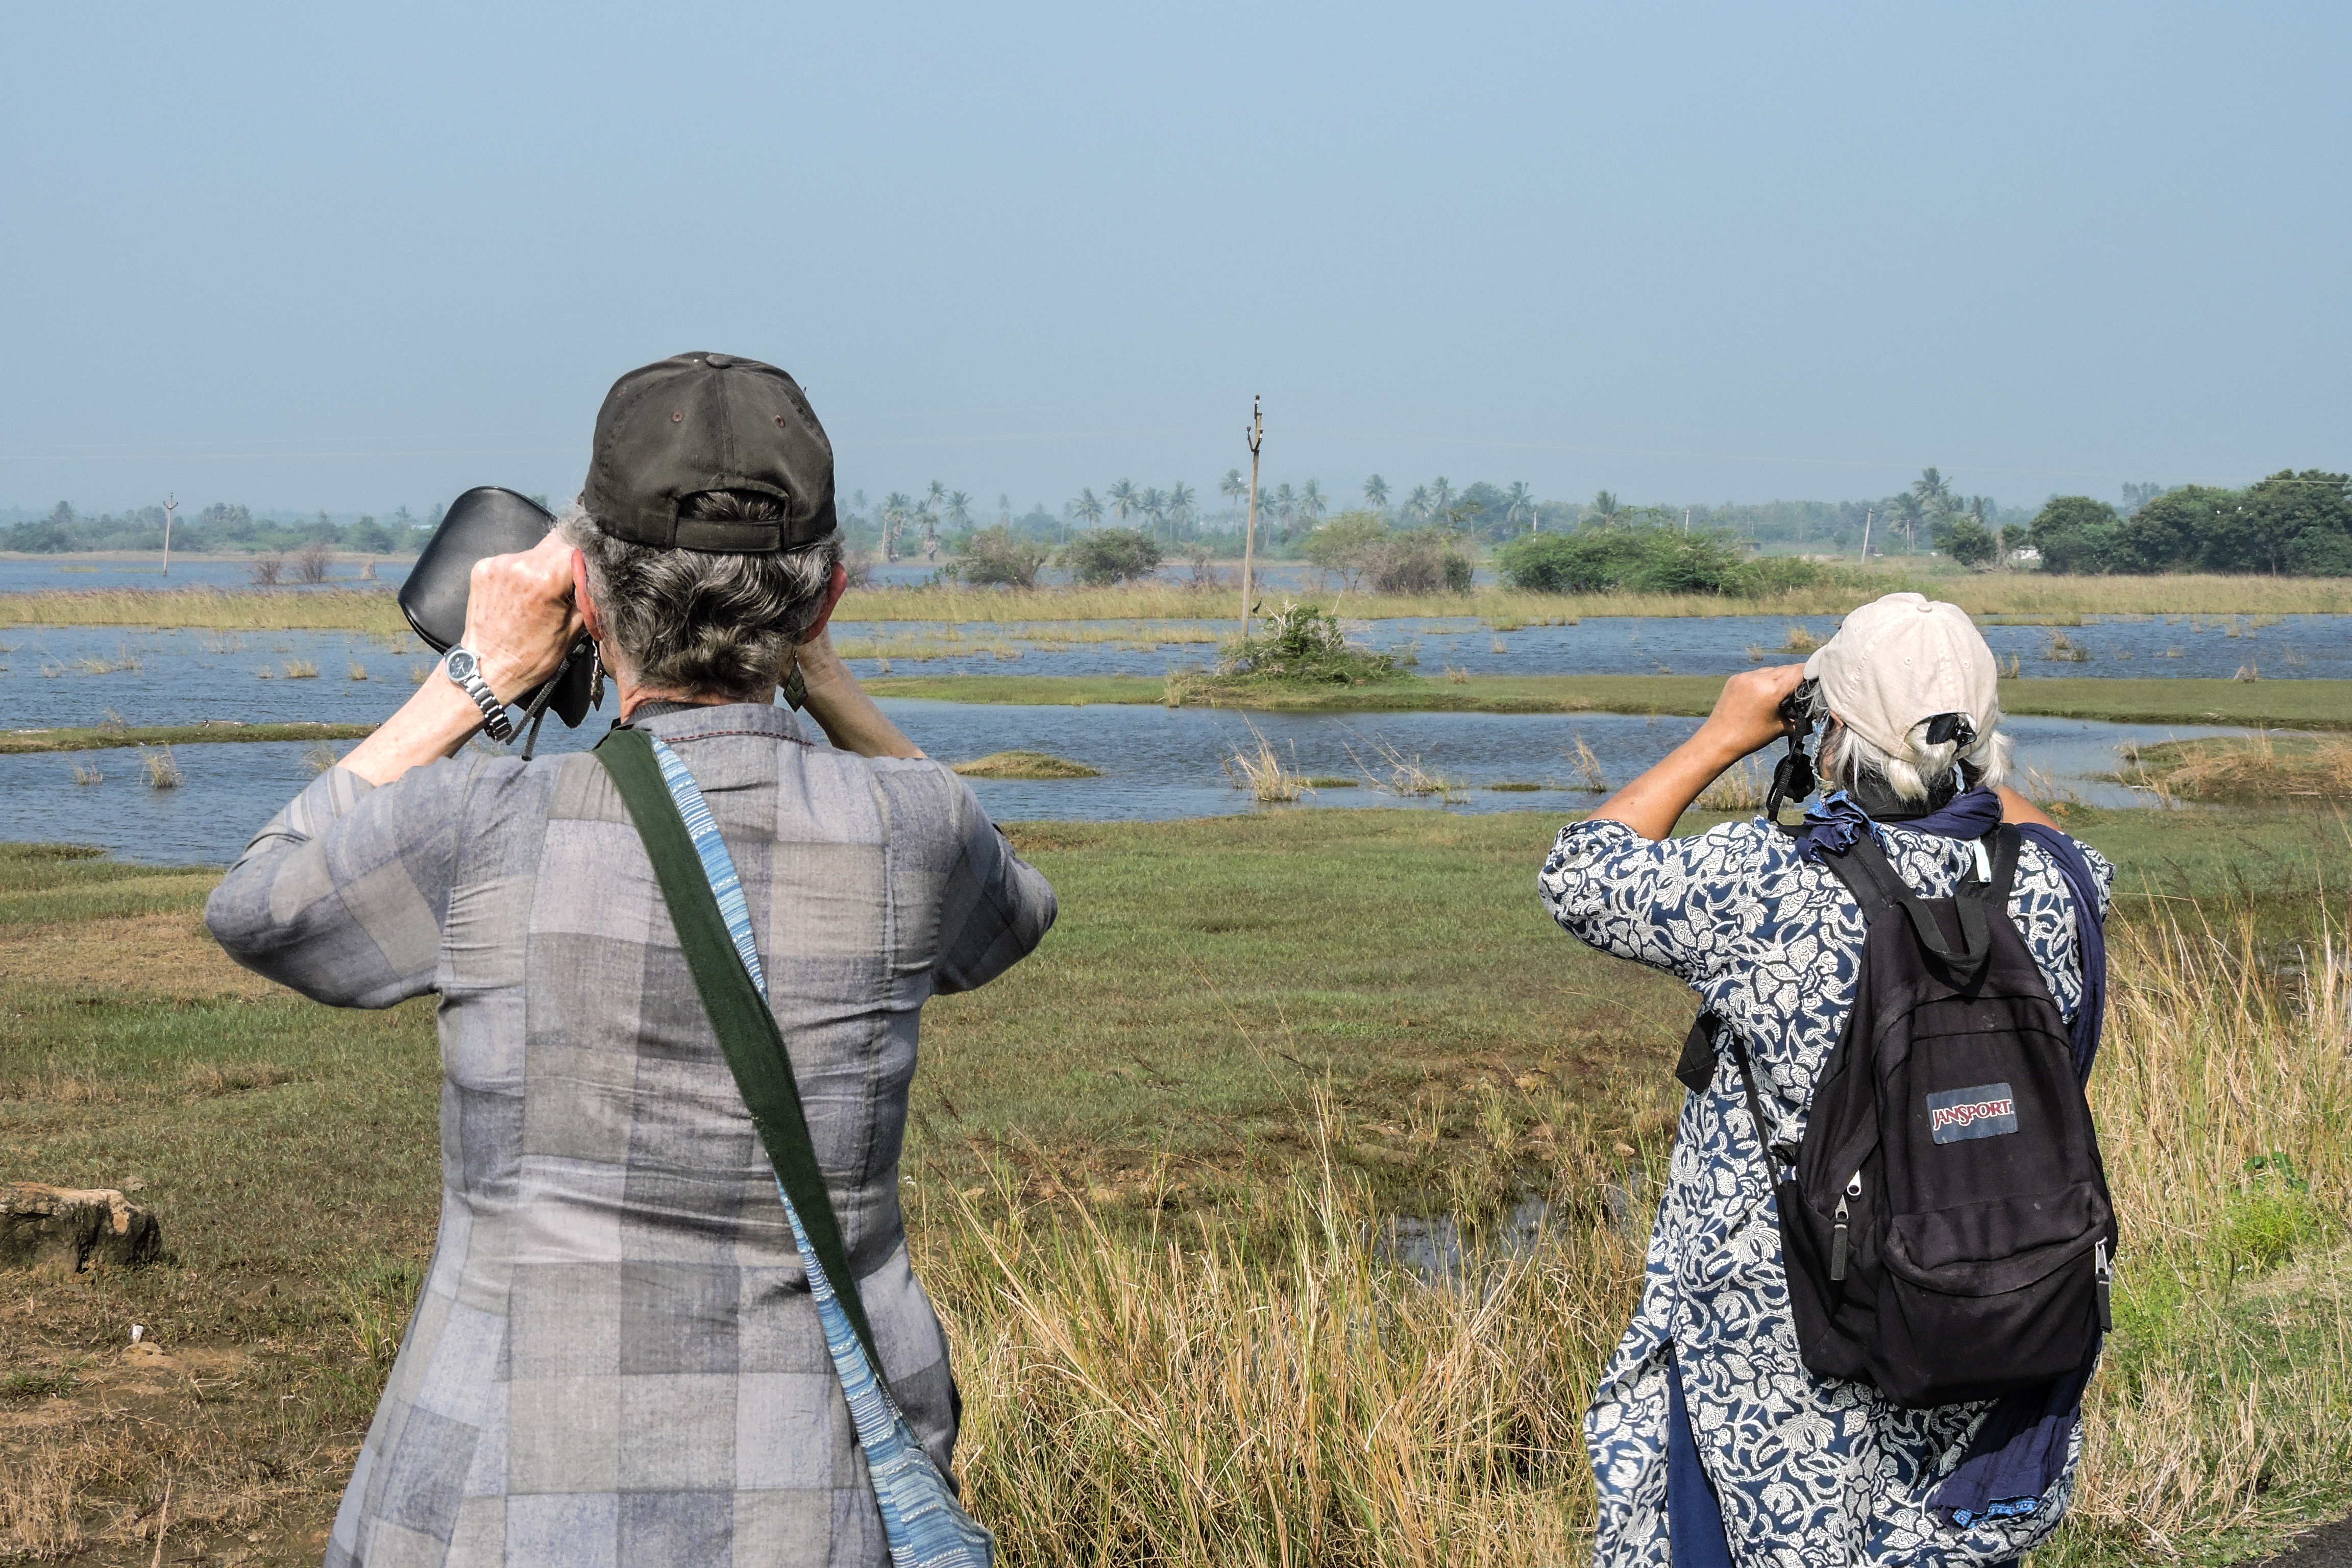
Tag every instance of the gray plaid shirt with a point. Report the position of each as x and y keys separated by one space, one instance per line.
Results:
x=615 y=1359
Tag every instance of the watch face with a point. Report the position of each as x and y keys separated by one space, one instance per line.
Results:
x=461 y=665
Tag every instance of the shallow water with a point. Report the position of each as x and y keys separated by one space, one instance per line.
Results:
x=2296 y=647
x=1158 y=763
x=34 y=573
x=54 y=677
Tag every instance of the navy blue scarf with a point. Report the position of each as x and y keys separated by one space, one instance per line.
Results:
x=2021 y=1447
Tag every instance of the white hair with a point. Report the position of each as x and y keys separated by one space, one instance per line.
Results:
x=1922 y=771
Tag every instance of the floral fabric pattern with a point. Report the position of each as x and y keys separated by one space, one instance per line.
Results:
x=1811 y=1472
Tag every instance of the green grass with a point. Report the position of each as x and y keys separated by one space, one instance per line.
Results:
x=104 y=737
x=1026 y=765
x=2287 y=704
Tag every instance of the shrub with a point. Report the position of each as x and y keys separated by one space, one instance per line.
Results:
x=1303 y=645
x=997 y=557
x=1969 y=542
x=1644 y=559
x=1110 y=556
x=2077 y=534
x=1427 y=562
x=1343 y=544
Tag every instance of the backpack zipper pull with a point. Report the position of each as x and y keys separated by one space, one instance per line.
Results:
x=1838 y=1234
x=2106 y=1275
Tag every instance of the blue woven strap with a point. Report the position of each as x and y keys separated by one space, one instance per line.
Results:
x=925 y=1526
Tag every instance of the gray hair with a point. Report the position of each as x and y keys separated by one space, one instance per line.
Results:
x=1923 y=773
x=699 y=623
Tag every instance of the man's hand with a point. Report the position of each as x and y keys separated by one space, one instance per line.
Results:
x=520 y=615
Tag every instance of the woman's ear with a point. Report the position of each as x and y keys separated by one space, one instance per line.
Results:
x=833 y=592
x=584 y=598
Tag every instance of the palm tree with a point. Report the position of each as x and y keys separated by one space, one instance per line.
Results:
x=1933 y=494
x=1607 y=507
x=959 y=508
x=1441 y=494
x=930 y=523
x=1180 y=508
x=1518 y=502
x=1233 y=488
x=1376 y=493
x=1087 y=508
x=1155 y=509
x=1417 y=503
x=937 y=493
x=1284 y=506
x=1311 y=502
x=895 y=508
x=1123 y=500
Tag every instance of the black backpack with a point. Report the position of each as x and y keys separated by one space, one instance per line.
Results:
x=1947 y=1227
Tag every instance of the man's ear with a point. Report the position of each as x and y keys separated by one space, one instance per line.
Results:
x=582 y=597
x=833 y=592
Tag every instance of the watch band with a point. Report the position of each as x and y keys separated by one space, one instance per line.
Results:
x=464 y=667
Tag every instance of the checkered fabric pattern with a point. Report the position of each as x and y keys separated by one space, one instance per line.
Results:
x=614 y=1360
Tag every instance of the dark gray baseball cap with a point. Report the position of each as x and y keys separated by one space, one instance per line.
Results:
x=701 y=422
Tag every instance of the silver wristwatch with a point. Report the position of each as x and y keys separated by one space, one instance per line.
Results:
x=466 y=669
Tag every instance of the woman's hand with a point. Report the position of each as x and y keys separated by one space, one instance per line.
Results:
x=520 y=615
x=1747 y=718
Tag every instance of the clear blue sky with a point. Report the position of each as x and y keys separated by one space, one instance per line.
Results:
x=351 y=258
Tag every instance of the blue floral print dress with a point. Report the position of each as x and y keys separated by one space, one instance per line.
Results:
x=1811 y=1472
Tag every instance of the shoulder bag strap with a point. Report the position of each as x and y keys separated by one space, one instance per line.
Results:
x=746 y=1029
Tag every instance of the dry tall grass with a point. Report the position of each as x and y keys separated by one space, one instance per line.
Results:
x=1215 y=1400
x=2222 y=1093
x=1283 y=1392
x=2027 y=596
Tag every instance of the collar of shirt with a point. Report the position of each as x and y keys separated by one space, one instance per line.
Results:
x=676 y=722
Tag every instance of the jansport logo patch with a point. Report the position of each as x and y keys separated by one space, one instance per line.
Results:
x=1987 y=1110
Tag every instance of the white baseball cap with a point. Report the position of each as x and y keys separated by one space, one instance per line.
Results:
x=1902 y=659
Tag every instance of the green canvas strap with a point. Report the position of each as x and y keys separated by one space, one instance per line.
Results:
x=746 y=1029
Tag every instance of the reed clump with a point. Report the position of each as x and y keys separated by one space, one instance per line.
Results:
x=1260 y=769
x=2258 y=768
x=160 y=769
x=1744 y=787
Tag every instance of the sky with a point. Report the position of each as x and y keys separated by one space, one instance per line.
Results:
x=357 y=258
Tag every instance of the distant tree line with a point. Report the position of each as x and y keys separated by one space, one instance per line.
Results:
x=2289 y=524
x=220 y=527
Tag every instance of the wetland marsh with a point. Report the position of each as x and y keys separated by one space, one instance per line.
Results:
x=1164 y=1180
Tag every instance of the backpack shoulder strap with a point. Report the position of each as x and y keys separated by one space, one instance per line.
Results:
x=2006 y=842
x=1864 y=870
x=1868 y=875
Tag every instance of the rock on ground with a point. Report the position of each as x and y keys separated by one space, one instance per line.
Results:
x=66 y=1230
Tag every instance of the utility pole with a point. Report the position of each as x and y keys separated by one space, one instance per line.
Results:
x=171 y=505
x=1256 y=438
x=1686 y=511
x=1867 y=514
